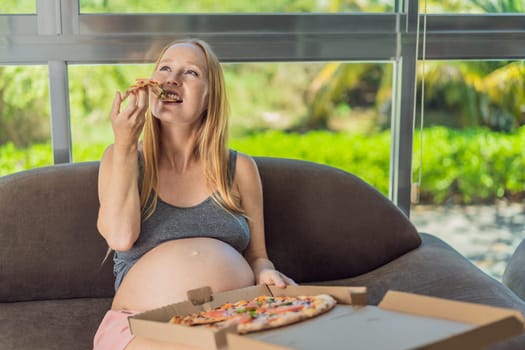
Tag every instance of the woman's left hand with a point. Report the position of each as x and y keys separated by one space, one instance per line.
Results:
x=274 y=277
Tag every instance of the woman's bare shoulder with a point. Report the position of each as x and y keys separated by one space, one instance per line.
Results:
x=246 y=165
x=246 y=172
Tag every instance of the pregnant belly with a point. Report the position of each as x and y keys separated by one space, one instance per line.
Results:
x=164 y=274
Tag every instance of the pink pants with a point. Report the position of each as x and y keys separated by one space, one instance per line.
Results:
x=113 y=332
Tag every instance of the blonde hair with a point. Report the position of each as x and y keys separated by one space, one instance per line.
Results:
x=211 y=141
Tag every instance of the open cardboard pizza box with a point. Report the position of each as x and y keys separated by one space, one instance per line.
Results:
x=400 y=321
x=155 y=324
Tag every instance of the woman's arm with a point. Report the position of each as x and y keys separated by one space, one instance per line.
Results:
x=119 y=213
x=248 y=184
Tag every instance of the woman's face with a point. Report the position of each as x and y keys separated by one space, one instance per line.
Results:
x=182 y=71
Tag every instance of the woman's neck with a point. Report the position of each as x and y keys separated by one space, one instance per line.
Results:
x=177 y=148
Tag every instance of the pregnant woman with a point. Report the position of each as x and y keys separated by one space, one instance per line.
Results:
x=179 y=209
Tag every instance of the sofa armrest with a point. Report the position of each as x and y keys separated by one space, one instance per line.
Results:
x=514 y=275
x=322 y=223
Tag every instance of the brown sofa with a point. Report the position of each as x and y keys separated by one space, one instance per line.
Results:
x=323 y=226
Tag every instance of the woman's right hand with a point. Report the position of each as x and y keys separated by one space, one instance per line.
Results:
x=128 y=123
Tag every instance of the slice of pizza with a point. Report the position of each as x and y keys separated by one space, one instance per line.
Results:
x=155 y=88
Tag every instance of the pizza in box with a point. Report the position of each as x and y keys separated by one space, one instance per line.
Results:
x=260 y=313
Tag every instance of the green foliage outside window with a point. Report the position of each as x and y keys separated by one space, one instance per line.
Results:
x=17 y=7
x=459 y=166
x=234 y=6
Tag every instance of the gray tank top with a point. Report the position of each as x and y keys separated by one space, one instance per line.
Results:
x=168 y=222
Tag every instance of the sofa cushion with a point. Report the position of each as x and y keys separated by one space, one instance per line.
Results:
x=322 y=223
x=51 y=324
x=435 y=269
x=49 y=244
